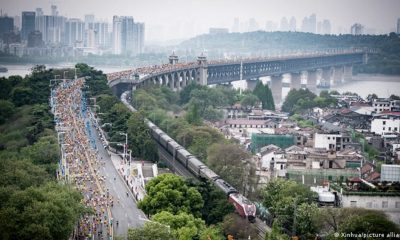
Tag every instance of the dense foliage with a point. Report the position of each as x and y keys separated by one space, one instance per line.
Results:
x=298 y=100
x=32 y=204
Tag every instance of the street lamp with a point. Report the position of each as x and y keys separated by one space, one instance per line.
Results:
x=64 y=73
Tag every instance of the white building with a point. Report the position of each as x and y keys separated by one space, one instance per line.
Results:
x=385 y=124
x=330 y=141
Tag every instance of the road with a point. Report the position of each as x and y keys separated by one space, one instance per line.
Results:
x=125 y=210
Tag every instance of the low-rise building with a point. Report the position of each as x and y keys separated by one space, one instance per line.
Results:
x=389 y=123
x=331 y=141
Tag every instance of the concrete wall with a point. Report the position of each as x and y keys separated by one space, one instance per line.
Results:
x=389 y=204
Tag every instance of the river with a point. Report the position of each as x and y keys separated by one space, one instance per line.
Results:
x=362 y=84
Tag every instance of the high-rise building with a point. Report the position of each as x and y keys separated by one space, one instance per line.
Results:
x=6 y=25
x=284 y=27
x=51 y=27
x=89 y=21
x=54 y=11
x=128 y=36
x=35 y=39
x=309 y=24
x=117 y=35
x=326 y=27
x=28 y=24
x=270 y=26
x=252 y=26
x=236 y=25
x=17 y=23
x=101 y=34
x=74 y=32
x=39 y=12
x=398 y=26
x=357 y=29
x=292 y=24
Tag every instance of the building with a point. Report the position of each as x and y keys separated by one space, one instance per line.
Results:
x=309 y=24
x=28 y=24
x=74 y=32
x=331 y=141
x=6 y=25
x=292 y=24
x=326 y=27
x=35 y=39
x=390 y=173
x=218 y=30
x=236 y=25
x=398 y=26
x=356 y=29
x=101 y=34
x=128 y=36
x=385 y=104
x=51 y=27
x=385 y=124
x=284 y=27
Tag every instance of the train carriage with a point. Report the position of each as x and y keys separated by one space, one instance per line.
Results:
x=183 y=155
x=208 y=174
x=194 y=165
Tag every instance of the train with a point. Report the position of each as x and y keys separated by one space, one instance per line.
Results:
x=244 y=207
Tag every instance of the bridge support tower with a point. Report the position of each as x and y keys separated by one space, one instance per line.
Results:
x=337 y=75
x=202 y=70
x=348 y=73
x=276 y=88
x=326 y=77
x=251 y=83
x=312 y=80
x=295 y=80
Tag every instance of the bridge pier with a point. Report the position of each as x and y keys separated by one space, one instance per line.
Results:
x=337 y=75
x=251 y=83
x=348 y=73
x=326 y=77
x=295 y=80
x=312 y=80
x=202 y=70
x=276 y=88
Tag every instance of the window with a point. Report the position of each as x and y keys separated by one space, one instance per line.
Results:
x=369 y=205
x=385 y=204
x=390 y=129
x=329 y=138
x=397 y=204
x=395 y=129
x=383 y=128
x=384 y=122
x=353 y=204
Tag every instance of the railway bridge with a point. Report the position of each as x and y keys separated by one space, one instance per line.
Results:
x=334 y=68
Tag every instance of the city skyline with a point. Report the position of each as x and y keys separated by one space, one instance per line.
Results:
x=168 y=19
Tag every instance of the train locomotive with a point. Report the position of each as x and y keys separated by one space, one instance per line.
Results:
x=244 y=207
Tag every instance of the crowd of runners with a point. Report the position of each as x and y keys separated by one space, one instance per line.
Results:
x=81 y=161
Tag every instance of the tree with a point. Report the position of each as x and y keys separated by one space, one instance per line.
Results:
x=394 y=97
x=216 y=204
x=276 y=233
x=150 y=231
x=263 y=92
x=21 y=96
x=185 y=94
x=238 y=227
x=7 y=108
x=212 y=232
x=298 y=100
x=139 y=139
x=250 y=100
x=47 y=212
x=168 y=192
x=232 y=163
x=282 y=198
x=306 y=224
x=193 y=115
x=183 y=225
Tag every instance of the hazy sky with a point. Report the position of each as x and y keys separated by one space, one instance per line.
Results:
x=192 y=16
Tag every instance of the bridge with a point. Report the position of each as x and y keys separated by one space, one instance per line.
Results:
x=331 y=68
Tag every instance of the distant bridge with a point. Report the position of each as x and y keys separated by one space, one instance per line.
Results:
x=334 y=68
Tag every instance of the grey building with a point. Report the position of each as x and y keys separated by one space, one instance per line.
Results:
x=128 y=36
x=28 y=24
x=74 y=32
x=6 y=25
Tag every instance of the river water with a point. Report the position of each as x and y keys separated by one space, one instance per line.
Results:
x=362 y=84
